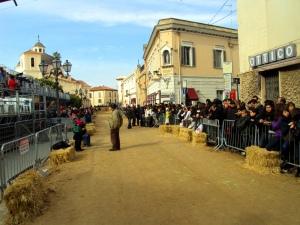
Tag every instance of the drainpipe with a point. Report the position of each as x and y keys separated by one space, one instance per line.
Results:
x=179 y=68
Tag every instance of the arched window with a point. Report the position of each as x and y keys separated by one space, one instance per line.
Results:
x=166 y=57
x=32 y=62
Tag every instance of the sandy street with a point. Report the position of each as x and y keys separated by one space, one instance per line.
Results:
x=159 y=180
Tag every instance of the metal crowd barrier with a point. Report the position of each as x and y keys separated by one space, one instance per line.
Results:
x=23 y=128
x=7 y=132
x=28 y=152
x=16 y=157
x=293 y=152
x=238 y=138
x=212 y=129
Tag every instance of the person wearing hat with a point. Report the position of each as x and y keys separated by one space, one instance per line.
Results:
x=115 y=123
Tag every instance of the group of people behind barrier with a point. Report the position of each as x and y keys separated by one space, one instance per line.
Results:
x=272 y=125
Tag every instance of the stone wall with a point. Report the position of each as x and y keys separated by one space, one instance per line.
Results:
x=249 y=85
x=290 y=85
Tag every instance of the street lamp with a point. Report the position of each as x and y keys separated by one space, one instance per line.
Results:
x=55 y=71
x=81 y=93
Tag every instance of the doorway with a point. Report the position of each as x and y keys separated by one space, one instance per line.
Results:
x=272 y=84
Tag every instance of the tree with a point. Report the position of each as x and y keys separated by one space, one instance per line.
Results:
x=56 y=55
x=50 y=83
x=75 y=101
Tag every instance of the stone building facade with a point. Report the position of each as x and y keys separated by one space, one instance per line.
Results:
x=269 y=49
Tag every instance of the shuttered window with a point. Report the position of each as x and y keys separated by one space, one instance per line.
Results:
x=219 y=56
x=188 y=56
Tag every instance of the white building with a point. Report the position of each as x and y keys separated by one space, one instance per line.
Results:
x=127 y=90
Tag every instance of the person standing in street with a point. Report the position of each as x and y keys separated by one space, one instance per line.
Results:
x=115 y=123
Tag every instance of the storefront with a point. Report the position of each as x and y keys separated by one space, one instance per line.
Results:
x=275 y=73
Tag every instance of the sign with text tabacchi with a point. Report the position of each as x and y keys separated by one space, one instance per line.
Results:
x=274 y=55
x=24 y=146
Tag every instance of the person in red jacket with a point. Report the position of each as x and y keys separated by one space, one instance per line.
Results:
x=12 y=84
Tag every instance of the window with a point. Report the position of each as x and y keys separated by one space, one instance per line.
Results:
x=219 y=58
x=32 y=62
x=99 y=94
x=100 y=101
x=166 y=57
x=40 y=50
x=109 y=94
x=90 y=95
x=188 y=56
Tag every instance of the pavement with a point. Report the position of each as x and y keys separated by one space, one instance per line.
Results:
x=160 y=180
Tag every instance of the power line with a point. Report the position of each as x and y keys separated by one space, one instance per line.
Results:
x=19 y=4
x=218 y=11
x=231 y=12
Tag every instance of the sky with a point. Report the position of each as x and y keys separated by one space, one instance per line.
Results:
x=103 y=39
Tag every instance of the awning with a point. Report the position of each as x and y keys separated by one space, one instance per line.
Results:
x=192 y=94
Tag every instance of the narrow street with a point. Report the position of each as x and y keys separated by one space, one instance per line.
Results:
x=159 y=180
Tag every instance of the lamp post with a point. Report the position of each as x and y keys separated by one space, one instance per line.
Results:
x=55 y=71
x=81 y=93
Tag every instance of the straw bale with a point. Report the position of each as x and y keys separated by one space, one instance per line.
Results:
x=261 y=160
x=162 y=129
x=60 y=156
x=90 y=128
x=175 y=130
x=199 y=138
x=165 y=129
x=185 y=134
x=25 y=198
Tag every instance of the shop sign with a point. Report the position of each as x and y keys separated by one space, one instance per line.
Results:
x=24 y=146
x=274 y=55
x=227 y=79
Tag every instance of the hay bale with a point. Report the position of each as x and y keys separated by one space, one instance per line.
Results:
x=60 y=156
x=162 y=129
x=185 y=134
x=90 y=128
x=25 y=198
x=165 y=129
x=199 y=138
x=175 y=130
x=261 y=160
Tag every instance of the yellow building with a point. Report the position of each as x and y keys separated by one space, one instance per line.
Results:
x=184 y=61
x=141 y=85
x=29 y=65
x=269 y=40
x=103 y=96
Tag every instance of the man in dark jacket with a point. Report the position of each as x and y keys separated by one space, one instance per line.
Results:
x=129 y=114
x=115 y=123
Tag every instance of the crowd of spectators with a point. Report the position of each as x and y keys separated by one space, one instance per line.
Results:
x=10 y=83
x=278 y=123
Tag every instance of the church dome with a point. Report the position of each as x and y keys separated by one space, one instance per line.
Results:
x=39 y=44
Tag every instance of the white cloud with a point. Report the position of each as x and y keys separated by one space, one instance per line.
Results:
x=138 y=12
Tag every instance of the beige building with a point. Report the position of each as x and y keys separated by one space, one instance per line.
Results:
x=184 y=61
x=103 y=96
x=269 y=40
x=29 y=65
x=141 y=85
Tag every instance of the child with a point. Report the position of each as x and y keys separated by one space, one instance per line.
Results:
x=86 y=138
x=77 y=130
